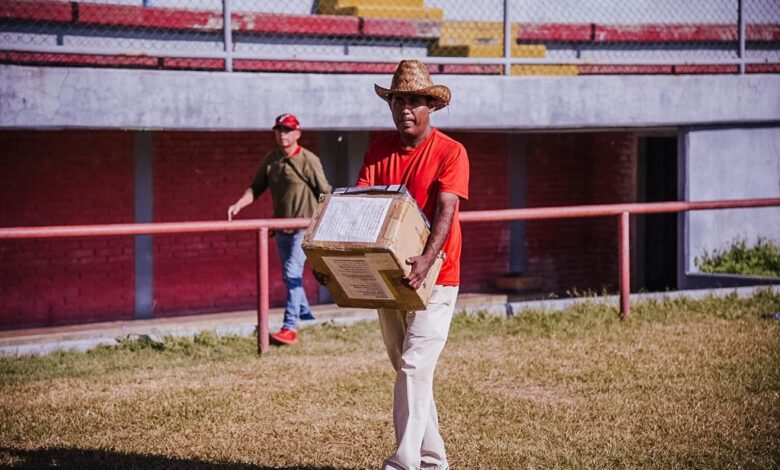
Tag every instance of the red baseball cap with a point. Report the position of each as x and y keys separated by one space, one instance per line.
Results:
x=287 y=120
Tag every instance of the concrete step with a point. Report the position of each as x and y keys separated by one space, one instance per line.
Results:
x=473 y=32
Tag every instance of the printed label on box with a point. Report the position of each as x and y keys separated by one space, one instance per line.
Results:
x=358 y=278
x=352 y=219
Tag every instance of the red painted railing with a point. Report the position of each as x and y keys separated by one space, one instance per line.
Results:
x=262 y=226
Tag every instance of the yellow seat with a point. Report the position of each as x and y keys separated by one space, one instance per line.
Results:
x=396 y=9
x=329 y=7
x=543 y=69
x=486 y=39
x=479 y=39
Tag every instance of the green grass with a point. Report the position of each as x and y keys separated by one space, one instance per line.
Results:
x=762 y=259
x=681 y=383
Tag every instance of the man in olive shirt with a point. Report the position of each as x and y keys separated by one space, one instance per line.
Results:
x=296 y=179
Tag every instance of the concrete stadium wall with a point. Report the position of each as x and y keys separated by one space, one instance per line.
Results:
x=54 y=98
x=729 y=163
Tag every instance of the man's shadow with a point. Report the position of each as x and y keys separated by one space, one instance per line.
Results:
x=72 y=459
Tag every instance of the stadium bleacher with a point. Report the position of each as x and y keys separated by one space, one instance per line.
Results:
x=406 y=28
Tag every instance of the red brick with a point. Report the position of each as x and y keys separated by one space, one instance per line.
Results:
x=66 y=165
x=574 y=169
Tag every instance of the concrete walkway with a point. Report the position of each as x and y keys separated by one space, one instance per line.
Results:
x=82 y=337
x=243 y=323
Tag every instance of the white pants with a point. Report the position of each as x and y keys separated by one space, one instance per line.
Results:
x=414 y=341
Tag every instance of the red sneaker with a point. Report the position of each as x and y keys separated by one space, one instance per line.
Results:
x=285 y=336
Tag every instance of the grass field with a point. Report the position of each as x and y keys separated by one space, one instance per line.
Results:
x=680 y=384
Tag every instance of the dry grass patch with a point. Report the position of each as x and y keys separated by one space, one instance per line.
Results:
x=680 y=384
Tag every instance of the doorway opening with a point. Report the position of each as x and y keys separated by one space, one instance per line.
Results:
x=656 y=234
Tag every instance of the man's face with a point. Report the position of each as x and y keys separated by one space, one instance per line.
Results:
x=411 y=113
x=286 y=137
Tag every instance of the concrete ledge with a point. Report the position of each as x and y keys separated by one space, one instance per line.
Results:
x=717 y=280
x=517 y=308
x=53 y=98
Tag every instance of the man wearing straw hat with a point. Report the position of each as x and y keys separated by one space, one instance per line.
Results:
x=435 y=169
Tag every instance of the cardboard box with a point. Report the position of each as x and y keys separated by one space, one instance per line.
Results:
x=360 y=238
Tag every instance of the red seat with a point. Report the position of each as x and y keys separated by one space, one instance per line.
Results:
x=36 y=11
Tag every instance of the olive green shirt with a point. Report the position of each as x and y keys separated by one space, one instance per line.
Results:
x=292 y=192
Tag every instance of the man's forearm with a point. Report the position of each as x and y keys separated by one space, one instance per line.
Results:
x=242 y=202
x=246 y=198
x=442 y=222
x=446 y=205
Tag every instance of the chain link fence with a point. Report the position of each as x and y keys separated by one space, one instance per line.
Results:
x=565 y=37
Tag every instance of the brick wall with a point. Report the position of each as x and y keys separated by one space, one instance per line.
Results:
x=485 y=244
x=197 y=175
x=573 y=169
x=86 y=177
x=65 y=178
x=562 y=169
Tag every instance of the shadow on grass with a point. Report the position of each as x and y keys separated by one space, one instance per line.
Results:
x=64 y=458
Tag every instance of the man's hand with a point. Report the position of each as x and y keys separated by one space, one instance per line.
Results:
x=242 y=202
x=233 y=211
x=446 y=205
x=420 y=267
x=322 y=278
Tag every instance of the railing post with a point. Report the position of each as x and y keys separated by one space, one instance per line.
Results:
x=262 y=290
x=227 y=26
x=741 y=32
x=624 y=257
x=507 y=40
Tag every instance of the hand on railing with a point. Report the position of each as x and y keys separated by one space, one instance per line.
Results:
x=233 y=211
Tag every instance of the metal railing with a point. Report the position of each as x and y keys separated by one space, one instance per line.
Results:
x=262 y=227
x=537 y=37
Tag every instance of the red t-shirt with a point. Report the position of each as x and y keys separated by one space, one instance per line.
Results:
x=439 y=164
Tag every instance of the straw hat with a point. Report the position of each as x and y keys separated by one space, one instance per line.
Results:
x=412 y=78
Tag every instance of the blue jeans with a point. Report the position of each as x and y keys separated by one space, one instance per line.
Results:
x=292 y=258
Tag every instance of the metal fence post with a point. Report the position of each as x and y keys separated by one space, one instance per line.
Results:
x=262 y=290
x=507 y=40
x=624 y=257
x=741 y=29
x=227 y=26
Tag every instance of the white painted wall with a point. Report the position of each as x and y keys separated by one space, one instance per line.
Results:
x=731 y=163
